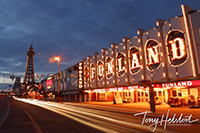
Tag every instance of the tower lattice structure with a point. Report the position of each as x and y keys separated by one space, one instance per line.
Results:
x=29 y=73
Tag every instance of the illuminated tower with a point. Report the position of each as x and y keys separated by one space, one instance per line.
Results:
x=29 y=73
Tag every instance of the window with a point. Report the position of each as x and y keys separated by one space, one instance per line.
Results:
x=146 y=94
x=179 y=93
x=154 y=93
x=174 y=93
x=138 y=99
x=124 y=94
x=147 y=99
x=121 y=94
x=142 y=99
x=159 y=93
x=129 y=94
x=138 y=94
x=142 y=94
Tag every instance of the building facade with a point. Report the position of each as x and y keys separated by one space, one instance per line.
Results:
x=69 y=90
x=167 y=55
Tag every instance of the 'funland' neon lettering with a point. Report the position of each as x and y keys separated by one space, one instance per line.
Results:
x=153 y=56
x=180 y=49
x=135 y=61
x=120 y=65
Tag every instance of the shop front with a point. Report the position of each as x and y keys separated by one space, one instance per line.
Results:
x=72 y=96
x=126 y=94
x=185 y=91
x=182 y=90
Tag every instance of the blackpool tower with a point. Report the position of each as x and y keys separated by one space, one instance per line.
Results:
x=29 y=73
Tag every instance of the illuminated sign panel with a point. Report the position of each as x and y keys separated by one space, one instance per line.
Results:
x=49 y=83
x=100 y=70
x=92 y=69
x=86 y=74
x=152 y=55
x=120 y=64
x=39 y=86
x=80 y=75
x=176 y=48
x=178 y=84
x=109 y=67
x=133 y=88
x=134 y=60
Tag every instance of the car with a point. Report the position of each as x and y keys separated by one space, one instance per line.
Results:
x=127 y=100
x=174 y=102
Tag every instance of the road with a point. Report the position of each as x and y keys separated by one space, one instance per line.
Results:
x=100 y=120
x=51 y=117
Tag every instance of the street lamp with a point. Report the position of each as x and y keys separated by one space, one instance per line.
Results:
x=151 y=93
x=58 y=59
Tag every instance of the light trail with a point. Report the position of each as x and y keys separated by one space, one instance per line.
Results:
x=91 y=117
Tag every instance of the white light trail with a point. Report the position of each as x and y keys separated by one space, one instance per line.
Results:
x=68 y=111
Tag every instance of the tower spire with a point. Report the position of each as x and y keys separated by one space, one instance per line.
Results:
x=29 y=72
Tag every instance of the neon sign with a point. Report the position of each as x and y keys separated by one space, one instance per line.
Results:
x=92 y=68
x=86 y=74
x=180 y=49
x=176 y=53
x=134 y=60
x=109 y=67
x=178 y=84
x=176 y=48
x=100 y=70
x=152 y=55
x=80 y=75
x=120 y=64
x=39 y=86
x=49 y=82
x=133 y=88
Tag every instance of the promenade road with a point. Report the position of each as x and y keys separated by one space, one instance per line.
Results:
x=18 y=121
x=4 y=109
x=13 y=118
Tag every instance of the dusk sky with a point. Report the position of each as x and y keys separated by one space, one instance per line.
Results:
x=72 y=28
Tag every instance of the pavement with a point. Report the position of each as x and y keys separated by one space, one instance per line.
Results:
x=14 y=119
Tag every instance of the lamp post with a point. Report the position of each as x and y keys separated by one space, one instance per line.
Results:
x=151 y=93
x=58 y=59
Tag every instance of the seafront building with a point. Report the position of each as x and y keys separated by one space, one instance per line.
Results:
x=168 y=56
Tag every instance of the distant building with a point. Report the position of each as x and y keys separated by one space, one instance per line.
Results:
x=17 y=86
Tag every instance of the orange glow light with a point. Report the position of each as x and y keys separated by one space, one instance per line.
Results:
x=57 y=58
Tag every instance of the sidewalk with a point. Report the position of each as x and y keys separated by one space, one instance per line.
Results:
x=134 y=108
